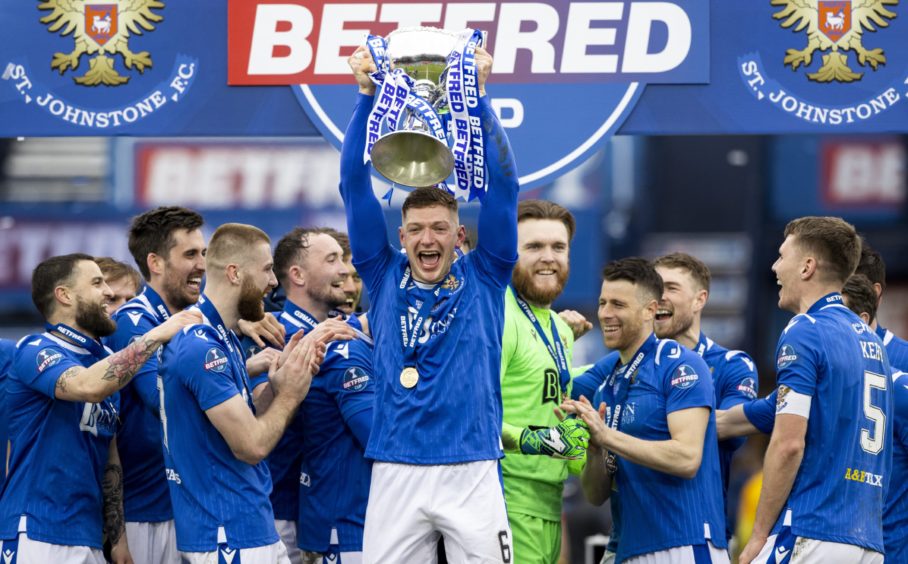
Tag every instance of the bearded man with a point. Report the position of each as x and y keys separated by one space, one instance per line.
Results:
x=535 y=377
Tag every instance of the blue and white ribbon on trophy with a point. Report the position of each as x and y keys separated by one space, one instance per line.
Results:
x=462 y=85
x=393 y=90
x=466 y=122
x=394 y=94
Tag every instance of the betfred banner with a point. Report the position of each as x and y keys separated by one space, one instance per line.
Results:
x=565 y=74
x=550 y=42
x=210 y=68
x=216 y=175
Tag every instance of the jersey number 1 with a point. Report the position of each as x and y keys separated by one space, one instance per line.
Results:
x=873 y=444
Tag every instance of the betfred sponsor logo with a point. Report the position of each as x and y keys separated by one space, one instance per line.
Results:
x=684 y=377
x=47 y=358
x=308 y=42
x=215 y=360
x=566 y=74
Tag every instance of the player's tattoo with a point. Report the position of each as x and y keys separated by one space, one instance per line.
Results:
x=69 y=373
x=112 y=488
x=125 y=364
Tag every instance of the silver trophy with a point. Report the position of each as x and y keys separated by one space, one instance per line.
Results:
x=411 y=155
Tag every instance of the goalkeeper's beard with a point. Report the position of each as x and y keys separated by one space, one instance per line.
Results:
x=530 y=290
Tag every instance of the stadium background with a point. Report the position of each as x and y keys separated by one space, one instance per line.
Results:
x=724 y=199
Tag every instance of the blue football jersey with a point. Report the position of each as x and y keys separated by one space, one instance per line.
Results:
x=762 y=412
x=896 y=348
x=7 y=352
x=587 y=384
x=284 y=460
x=670 y=378
x=735 y=380
x=456 y=404
x=831 y=356
x=895 y=515
x=214 y=494
x=146 y=498
x=59 y=448
x=453 y=413
x=333 y=474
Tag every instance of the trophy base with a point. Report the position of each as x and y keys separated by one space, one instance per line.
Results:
x=411 y=158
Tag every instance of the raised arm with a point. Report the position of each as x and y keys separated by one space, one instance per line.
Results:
x=365 y=219
x=108 y=375
x=497 y=225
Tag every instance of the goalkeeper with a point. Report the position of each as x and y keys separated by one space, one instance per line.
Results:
x=535 y=356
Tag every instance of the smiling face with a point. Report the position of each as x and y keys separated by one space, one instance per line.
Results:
x=682 y=299
x=788 y=268
x=325 y=273
x=429 y=235
x=182 y=269
x=353 y=289
x=625 y=318
x=543 y=262
x=92 y=300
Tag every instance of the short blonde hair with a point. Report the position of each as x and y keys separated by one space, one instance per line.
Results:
x=232 y=241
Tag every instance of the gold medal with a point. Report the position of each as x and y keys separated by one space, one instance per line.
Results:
x=409 y=377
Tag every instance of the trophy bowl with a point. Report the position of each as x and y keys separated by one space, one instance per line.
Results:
x=411 y=155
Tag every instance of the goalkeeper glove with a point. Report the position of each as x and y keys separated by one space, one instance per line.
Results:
x=566 y=440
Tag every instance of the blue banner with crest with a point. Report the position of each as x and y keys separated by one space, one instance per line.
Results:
x=160 y=68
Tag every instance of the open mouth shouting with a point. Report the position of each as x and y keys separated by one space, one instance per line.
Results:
x=429 y=260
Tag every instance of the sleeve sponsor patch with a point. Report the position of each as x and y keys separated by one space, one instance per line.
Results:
x=793 y=403
x=684 y=377
x=215 y=360
x=47 y=358
x=355 y=379
x=748 y=387
x=787 y=356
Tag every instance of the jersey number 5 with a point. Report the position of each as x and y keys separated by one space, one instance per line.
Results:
x=873 y=444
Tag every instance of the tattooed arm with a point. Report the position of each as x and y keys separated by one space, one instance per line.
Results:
x=114 y=522
x=106 y=376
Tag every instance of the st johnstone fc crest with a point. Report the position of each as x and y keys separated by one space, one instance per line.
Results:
x=102 y=30
x=835 y=27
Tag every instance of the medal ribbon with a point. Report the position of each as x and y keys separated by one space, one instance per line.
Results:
x=557 y=352
x=230 y=339
x=157 y=304
x=300 y=315
x=620 y=380
x=410 y=330
x=93 y=346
